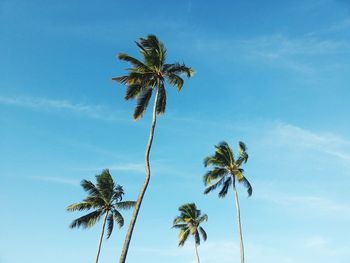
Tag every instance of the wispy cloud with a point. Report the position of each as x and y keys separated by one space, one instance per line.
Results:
x=325 y=142
x=56 y=180
x=318 y=204
x=301 y=54
x=45 y=104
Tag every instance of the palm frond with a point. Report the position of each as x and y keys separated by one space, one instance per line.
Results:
x=89 y=187
x=124 y=205
x=213 y=175
x=121 y=79
x=79 y=206
x=142 y=103
x=202 y=218
x=118 y=218
x=118 y=193
x=88 y=220
x=135 y=62
x=105 y=185
x=183 y=235
x=132 y=91
x=197 y=238
x=243 y=155
x=181 y=226
x=110 y=225
x=177 y=68
x=214 y=186
x=153 y=50
x=161 y=99
x=213 y=160
x=175 y=80
x=224 y=189
x=203 y=233
x=247 y=185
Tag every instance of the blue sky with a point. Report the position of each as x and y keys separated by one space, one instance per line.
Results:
x=274 y=74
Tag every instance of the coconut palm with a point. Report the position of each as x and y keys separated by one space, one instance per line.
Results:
x=105 y=199
x=189 y=222
x=226 y=170
x=143 y=79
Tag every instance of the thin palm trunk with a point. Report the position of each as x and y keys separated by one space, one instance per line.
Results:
x=144 y=186
x=101 y=238
x=240 y=236
x=197 y=252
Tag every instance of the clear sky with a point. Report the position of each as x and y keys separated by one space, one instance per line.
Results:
x=274 y=74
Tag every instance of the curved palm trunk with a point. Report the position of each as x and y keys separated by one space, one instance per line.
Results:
x=143 y=188
x=197 y=252
x=240 y=236
x=101 y=238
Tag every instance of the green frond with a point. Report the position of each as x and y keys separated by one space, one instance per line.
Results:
x=203 y=218
x=124 y=205
x=243 y=155
x=142 y=103
x=214 y=186
x=161 y=99
x=88 y=220
x=118 y=193
x=213 y=175
x=197 y=238
x=214 y=160
x=121 y=79
x=89 y=187
x=135 y=62
x=178 y=219
x=247 y=185
x=178 y=69
x=183 y=235
x=179 y=226
x=118 y=218
x=203 y=233
x=110 y=225
x=105 y=185
x=153 y=51
x=132 y=91
x=225 y=187
x=79 y=206
x=175 y=80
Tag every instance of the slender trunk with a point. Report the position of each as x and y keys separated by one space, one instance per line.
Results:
x=101 y=238
x=197 y=252
x=240 y=236
x=143 y=188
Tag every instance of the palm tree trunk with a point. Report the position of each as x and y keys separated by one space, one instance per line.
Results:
x=101 y=238
x=240 y=236
x=197 y=252
x=144 y=186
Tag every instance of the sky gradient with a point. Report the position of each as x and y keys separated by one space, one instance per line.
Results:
x=274 y=74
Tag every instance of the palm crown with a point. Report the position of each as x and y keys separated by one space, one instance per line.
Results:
x=152 y=73
x=226 y=169
x=189 y=222
x=104 y=197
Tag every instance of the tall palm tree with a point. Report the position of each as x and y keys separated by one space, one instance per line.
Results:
x=226 y=170
x=143 y=79
x=105 y=198
x=189 y=222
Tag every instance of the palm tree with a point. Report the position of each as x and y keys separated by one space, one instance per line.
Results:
x=226 y=170
x=105 y=198
x=189 y=222
x=143 y=79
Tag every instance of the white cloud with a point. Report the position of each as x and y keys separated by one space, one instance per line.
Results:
x=296 y=137
x=318 y=204
x=300 y=53
x=44 y=104
x=57 y=180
